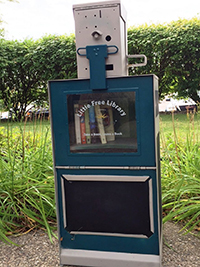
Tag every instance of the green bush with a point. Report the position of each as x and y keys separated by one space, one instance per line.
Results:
x=26 y=180
x=181 y=174
x=26 y=176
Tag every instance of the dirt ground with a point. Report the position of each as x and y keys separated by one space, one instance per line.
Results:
x=36 y=250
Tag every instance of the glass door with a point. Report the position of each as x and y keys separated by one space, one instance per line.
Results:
x=102 y=122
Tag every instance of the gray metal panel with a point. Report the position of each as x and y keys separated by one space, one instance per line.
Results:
x=108 y=18
x=103 y=4
x=110 y=178
x=134 y=168
x=108 y=259
x=157 y=157
x=54 y=168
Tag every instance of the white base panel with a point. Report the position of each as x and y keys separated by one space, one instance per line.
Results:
x=108 y=259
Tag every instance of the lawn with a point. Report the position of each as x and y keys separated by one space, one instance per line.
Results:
x=180 y=169
x=27 y=184
x=26 y=178
x=183 y=123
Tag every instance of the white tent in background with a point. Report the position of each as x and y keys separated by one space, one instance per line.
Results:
x=171 y=103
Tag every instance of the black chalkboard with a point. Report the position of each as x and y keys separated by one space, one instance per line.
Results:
x=108 y=207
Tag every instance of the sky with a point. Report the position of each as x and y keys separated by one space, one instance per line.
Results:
x=36 y=18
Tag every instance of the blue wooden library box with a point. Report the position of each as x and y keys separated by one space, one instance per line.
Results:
x=107 y=171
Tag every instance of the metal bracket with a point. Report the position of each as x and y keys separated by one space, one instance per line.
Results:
x=106 y=167
x=97 y=55
x=137 y=64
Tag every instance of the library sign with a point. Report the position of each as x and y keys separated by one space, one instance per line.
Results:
x=94 y=121
x=99 y=103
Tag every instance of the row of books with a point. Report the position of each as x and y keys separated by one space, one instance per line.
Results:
x=94 y=125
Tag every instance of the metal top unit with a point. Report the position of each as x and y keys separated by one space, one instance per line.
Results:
x=102 y=23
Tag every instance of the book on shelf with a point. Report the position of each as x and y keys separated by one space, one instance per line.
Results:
x=92 y=124
x=108 y=122
x=82 y=128
x=95 y=125
x=87 y=127
x=100 y=124
x=77 y=124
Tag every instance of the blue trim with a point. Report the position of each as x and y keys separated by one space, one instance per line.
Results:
x=97 y=55
x=110 y=243
x=143 y=86
x=113 y=46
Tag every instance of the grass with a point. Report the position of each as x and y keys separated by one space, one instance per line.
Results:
x=181 y=170
x=26 y=178
x=184 y=124
x=27 y=184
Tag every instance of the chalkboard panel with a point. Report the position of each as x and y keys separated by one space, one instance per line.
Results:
x=114 y=207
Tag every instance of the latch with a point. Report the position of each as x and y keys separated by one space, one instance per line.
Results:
x=97 y=55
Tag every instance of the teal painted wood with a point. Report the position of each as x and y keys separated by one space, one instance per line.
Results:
x=109 y=243
x=97 y=56
x=141 y=85
x=146 y=156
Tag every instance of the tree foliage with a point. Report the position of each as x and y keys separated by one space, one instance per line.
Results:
x=19 y=85
x=27 y=66
x=2 y=29
x=173 y=52
x=55 y=58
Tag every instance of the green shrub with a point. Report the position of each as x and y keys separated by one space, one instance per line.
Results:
x=181 y=175
x=27 y=186
x=26 y=179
